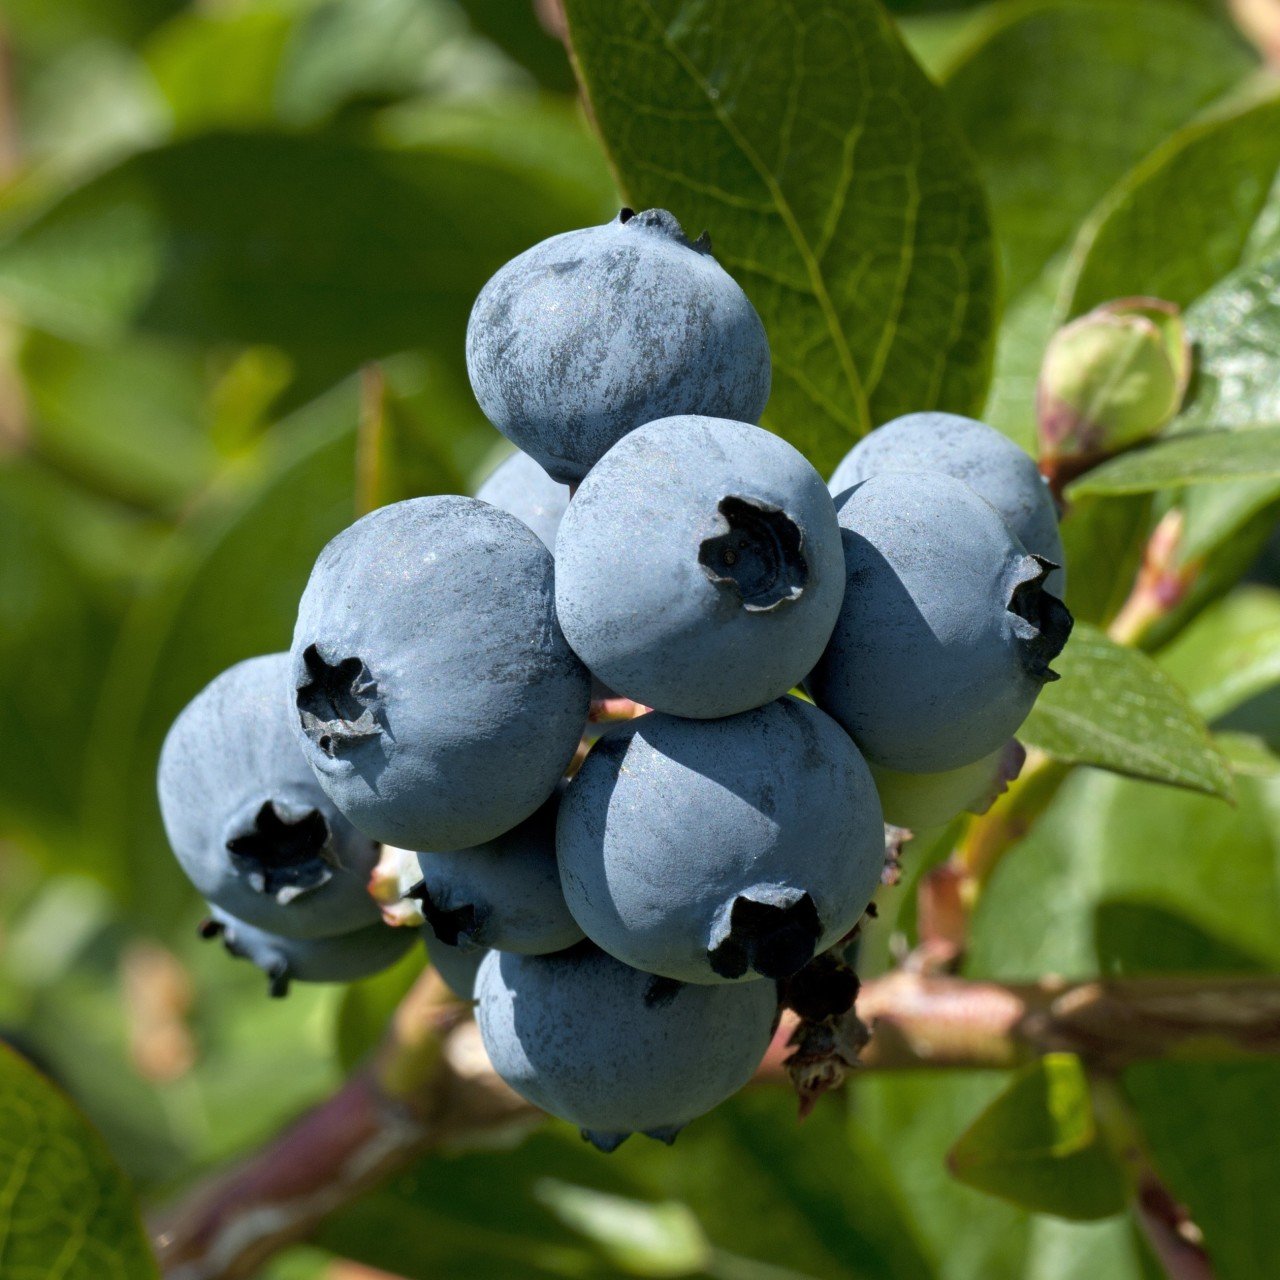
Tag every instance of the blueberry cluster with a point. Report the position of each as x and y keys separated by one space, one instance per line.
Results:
x=652 y=556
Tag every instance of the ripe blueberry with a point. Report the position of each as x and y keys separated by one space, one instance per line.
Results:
x=504 y=894
x=699 y=568
x=520 y=486
x=986 y=460
x=716 y=850
x=592 y=333
x=345 y=957
x=946 y=632
x=246 y=818
x=458 y=968
x=616 y=1051
x=435 y=696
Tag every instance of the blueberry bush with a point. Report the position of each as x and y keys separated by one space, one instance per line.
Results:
x=1005 y=273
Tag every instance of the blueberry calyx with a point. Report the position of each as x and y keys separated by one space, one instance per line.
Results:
x=769 y=932
x=666 y=224
x=456 y=926
x=1046 y=621
x=282 y=857
x=338 y=705
x=760 y=554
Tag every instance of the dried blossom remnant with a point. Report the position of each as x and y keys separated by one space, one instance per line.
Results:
x=338 y=706
x=773 y=935
x=760 y=555
x=1049 y=621
x=282 y=856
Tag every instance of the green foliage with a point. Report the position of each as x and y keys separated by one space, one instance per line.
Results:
x=1117 y=709
x=1038 y=1145
x=835 y=185
x=219 y=213
x=68 y=1211
x=1185 y=460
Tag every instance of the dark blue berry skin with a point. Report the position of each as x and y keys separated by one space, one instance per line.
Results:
x=345 y=957
x=592 y=333
x=946 y=633
x=699 y=568
x=717 y=850
x=248 y=822
x=458 y=968
x=616 y=1051
x=435 y=696
x=504 y=894
x=520 y=486
x=986 y=460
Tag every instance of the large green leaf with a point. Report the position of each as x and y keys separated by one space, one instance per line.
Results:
x=1191 y=213
x=1060 y=97
x=1230 y=653
x=1115 y=708
x=914 y=1117
x=1211 y=1131
x=334 y=251
x=1038 y=1145
x=65 y=1209
x=833 y=182
x=1123 y=877
x=1236 y=331
x=1206 y=457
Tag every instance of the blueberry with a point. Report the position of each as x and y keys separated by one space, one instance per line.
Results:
x=714 y=850
x=345 y=957
x=922 y=800
x=520 y=486
x=699 y=568
x=616 y=1051
x=435 y=696
x=987 y=461
x=591 y=333
x=246 y=818
x=503 y=894
x=946 y=633
x=458 y=968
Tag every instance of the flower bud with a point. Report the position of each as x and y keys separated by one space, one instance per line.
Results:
x=1112 y=378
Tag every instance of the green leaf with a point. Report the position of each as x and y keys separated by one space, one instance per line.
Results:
x=334 y=251
x=1038 y=1146
x=913 y=1117
x=1210 y=1129
x=1106 y=538
x=66 y=1210
x=219 y=68
x=1235 y=329
x=1189 y=862
x=1060 y=97
x=833 y=183
x=1209 y=457
x=1115 y=708
x=1230 y=653
x=1186 y=216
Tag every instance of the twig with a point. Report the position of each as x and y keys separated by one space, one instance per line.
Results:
x=371 y=439
x=429 y=1085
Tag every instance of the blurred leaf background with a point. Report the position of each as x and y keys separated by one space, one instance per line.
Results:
x=213 y=215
